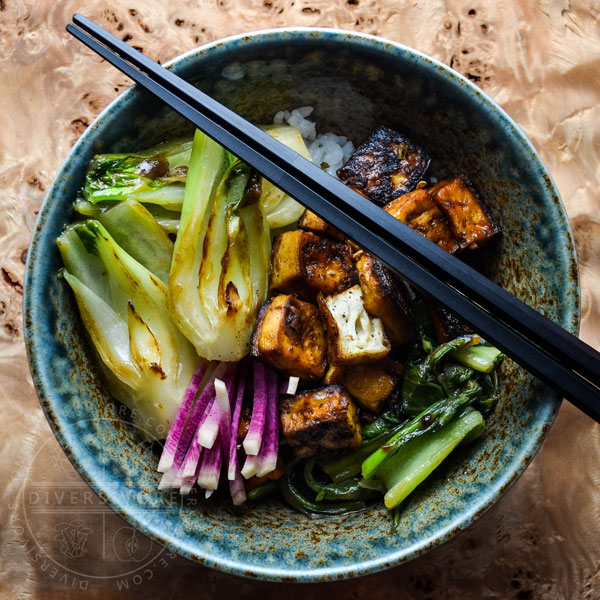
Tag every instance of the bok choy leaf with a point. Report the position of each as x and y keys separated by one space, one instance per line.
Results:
x=146 y=361
x=220 y=269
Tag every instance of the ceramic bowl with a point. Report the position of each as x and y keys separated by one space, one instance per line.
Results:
x=355 y=82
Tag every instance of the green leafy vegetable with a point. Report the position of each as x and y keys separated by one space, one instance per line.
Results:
x=349 y=489
x=418 y=458
x=301 y=502
x=482 y=358
x=220 y=271
x=137 y=232
x=146 y=361
x=422 y=386
x=350 y=464
x=433 y=417
x=155 y=176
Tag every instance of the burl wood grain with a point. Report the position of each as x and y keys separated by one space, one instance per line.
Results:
x=539 y=59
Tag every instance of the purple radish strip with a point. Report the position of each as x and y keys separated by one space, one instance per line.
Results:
x=254 y=436
x=208 y=407
x=167 y=479
x=168 y=454
x=188 y=482
x=268 y=450
x=210 y=469
x=208 y=430
x=236 y=487
x=235 y=423
x=190 y=462
x=251 y=466
x=191 y=426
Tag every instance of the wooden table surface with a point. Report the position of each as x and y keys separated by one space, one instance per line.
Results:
x=539 y=59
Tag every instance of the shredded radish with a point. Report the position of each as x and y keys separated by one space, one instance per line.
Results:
x=210 y=468
x=188 y=482
x=254 y=436
x=236 y=487
x=268 y=450
x=174 y=436
x=251 y=466
x=292 y=385
x=209 y=428
x=235 y=423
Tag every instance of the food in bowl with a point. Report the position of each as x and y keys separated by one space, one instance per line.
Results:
x=175 y=322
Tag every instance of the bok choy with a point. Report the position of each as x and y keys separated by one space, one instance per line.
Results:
x=156 y=177
x=220 y=270
x=146 y=361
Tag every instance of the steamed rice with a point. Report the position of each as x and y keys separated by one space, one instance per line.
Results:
x=328 y=150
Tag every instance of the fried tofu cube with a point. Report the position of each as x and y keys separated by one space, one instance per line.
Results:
x=382 y=298
x=305 y=264
x=446 y=325
x=353 y=336
x=322 y=421
x=289 y=335
x=311 y=222
x=466 y=215
x=385 y=166
x=420 y=213
x=372 y=384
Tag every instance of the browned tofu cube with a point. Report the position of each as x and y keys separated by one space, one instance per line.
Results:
x=289 y=335
x=322 y=421
x=420 y=212
x=311 y=222
x=466 y=215
x=446 y=325
x=305 y=264
x=382 y=298
x=372 y=384
x=353 y=336
x=385 y=166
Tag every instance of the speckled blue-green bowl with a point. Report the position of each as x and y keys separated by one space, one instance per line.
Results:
x=355 y=82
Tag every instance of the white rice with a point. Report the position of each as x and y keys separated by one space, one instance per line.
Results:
x=328 y=150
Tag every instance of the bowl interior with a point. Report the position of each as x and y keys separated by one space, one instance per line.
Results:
x=355 y=83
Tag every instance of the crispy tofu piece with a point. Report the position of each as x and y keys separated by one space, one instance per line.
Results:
x=446 y=325
x=372 y=384
x=311 y=222
x=353 y=336
x=466 y=215
x=305 y=264
x=382 y=298
x=385 y=166
x=289 y=335
x=420 y=212
x=322 y=421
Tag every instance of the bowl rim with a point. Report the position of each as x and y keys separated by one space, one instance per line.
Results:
x=223 y=563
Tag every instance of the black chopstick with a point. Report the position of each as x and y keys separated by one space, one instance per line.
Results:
x=542 y=347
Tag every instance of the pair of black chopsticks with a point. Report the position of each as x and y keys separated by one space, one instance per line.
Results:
x=546 y=350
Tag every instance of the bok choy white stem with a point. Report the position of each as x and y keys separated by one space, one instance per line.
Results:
x=146 y=361
x=220 y=269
